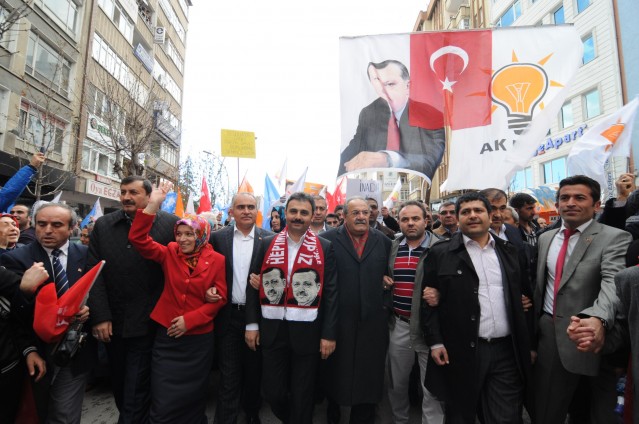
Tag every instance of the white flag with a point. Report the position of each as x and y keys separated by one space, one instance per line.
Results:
x=57 y=197
x=299 y=184
x=394 y=196
x=609 y=137
x=190 y=207
x=281 y=176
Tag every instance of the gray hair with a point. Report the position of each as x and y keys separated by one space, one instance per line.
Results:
x=350 y=199
x=514 y=213
x=74 y=216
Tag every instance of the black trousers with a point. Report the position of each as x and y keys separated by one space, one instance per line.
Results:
x=130 y=365
x=288 y=380
x=498 y=384
x=240 y=372
x=10 y=391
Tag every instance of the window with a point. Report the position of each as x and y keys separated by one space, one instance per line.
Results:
x=43 y=62
x=167 y=153
x=175 y=56
x=593 y=105
x=65 y=12
x=119 y=18
x=523 y=179
x=105 y=56
x=582 y=5
x=510 y=15
x=7 y=37
x=98 y=159
x=173 y=19
x=40 y=129
x=589 y=49
x=101 y=106
x=166 y=82
x=555 y=170
x=566 y=115
x=558 y=16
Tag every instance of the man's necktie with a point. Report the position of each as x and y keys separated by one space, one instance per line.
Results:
x=392 y=141
x=60 y=275
x=559 y=267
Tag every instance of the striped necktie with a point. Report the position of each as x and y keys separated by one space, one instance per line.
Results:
x=60 y=275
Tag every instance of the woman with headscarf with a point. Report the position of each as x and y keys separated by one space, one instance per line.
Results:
x=277 y=219
x=9 y=232
x=183 y=347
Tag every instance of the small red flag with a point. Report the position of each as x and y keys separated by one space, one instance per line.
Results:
x=52 y=315
x=205 y=198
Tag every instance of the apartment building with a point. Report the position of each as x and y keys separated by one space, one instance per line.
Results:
x=120 y=79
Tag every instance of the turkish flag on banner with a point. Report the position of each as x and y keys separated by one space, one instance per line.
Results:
x=205 y=198
x=450 y=79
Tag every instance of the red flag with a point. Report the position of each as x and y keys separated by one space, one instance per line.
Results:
x=338 y=195
x=450 y=79
x=52 y=315
x=205 y=198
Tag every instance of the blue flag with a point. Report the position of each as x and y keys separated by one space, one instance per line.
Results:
x=271 y=196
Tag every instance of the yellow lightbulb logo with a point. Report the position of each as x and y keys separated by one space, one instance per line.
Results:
x=519 y=87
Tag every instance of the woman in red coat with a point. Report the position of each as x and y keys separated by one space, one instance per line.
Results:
x=183 y=347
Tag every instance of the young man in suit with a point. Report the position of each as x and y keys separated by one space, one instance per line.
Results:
x=293 y=337
x=478 y=335
x=240 y=367
x=575 y=289
x=59 y=394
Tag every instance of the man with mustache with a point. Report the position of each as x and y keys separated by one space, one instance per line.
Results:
x=355 y=373
x=478 y=335
x=124 y=295
x=293 y=337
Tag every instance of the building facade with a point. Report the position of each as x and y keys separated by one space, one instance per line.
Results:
x=118 y=73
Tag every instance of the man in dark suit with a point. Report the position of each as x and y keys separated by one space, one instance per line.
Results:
x=124 y=295
x=240 y=367
x=479 y=339
x=382 y=142
x=575 y=291
x=291 y=336
x=355 y=374
x=59 y=395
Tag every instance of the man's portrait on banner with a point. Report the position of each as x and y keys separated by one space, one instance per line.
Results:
x=274 y=283
x=382 y=137
x=306 y=286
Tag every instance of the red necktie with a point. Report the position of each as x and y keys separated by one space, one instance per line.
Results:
x=392 y=141
x=559 y=267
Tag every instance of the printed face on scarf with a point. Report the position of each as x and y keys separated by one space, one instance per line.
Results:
x=305 y=286
x=274 y=284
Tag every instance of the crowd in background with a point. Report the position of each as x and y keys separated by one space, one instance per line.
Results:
x=498 y=311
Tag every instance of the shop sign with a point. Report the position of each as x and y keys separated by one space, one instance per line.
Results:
x=555 y=143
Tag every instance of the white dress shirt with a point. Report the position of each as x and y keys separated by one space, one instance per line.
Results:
x=242 y=253
x=63 y=256
x=551 y=262
x=502 y=232
x=493 y=319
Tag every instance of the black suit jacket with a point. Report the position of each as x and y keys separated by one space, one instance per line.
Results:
x=422 y=148
x=455 y=321
x=21 y=259
x=222 y=241
x=304 y=336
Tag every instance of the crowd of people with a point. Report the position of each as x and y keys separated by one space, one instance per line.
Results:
x=498 y=313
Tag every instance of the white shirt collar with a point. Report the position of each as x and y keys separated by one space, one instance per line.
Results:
x=468 y=240
x=237 y=231
x=64 y=248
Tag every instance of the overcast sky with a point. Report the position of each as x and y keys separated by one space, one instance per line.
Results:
x=272 y=68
